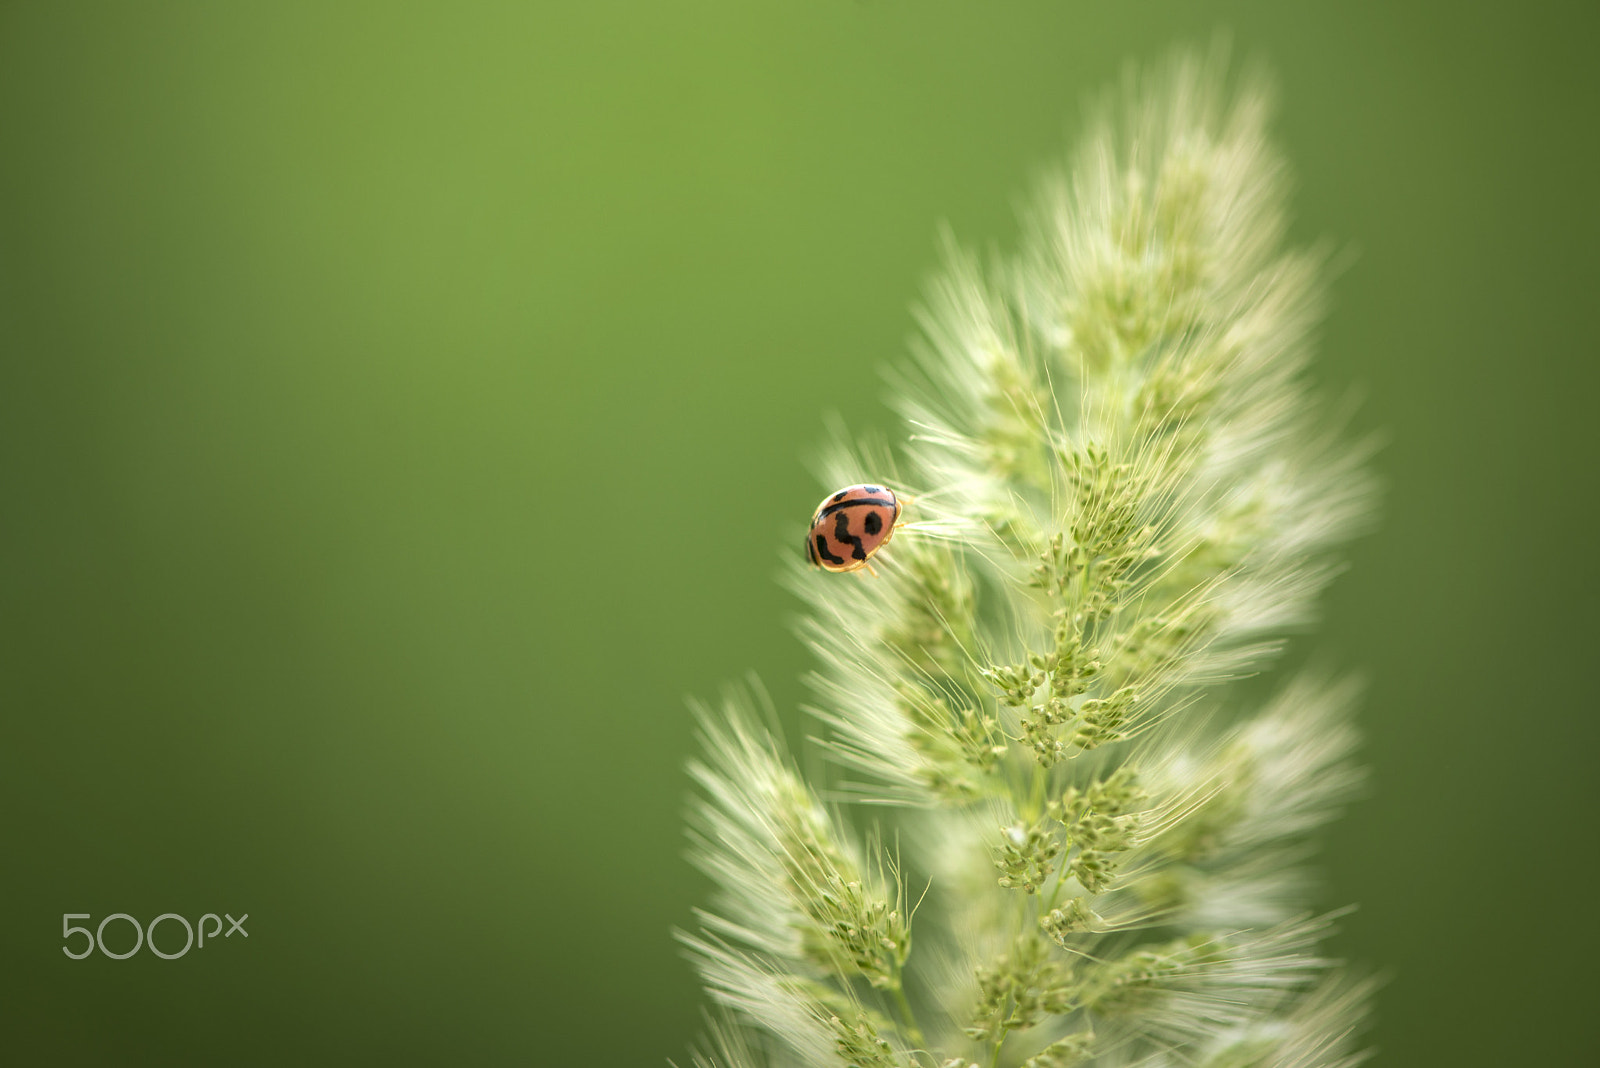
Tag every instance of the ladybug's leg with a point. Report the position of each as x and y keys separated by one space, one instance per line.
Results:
x=900 y=514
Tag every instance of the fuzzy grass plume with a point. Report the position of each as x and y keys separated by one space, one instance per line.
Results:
x=1053 y=838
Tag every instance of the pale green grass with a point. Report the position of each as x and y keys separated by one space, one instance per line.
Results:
x=1054 y=838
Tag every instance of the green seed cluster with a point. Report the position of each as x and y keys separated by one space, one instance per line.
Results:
x=1069 y=1052
x=957 y=745
x=1071 y=918
x=1027 y=856
x=1102 y=822
x=848 y=926
x=1019 y=989
x=860 y=1045
x=936 y=623
x=1133 y=983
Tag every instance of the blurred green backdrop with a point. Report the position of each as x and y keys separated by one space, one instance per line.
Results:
x=402 y=411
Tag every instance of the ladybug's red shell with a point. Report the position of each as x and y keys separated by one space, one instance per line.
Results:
x=850 y=526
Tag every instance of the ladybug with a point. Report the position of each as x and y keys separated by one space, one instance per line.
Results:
x=850 y=526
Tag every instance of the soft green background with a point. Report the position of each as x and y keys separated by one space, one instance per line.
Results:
x=402 y=411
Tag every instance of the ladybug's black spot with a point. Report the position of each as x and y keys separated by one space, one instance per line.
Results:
x=832 y=507
x=839 y=496
x=872 y=524
x=811 y=552
x=873 y=489
x=822 y=548
x=841 y=533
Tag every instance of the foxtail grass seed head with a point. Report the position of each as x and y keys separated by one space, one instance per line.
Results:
x=1054 y=838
